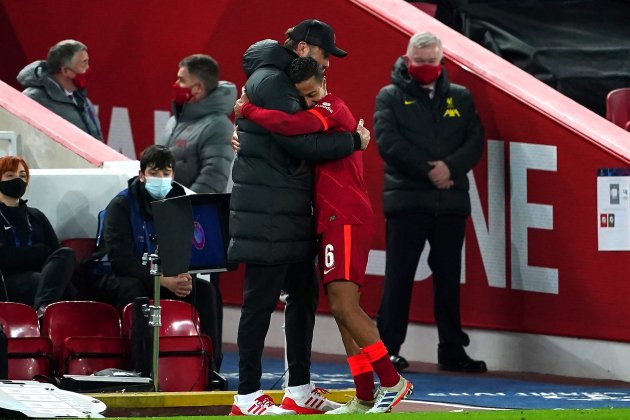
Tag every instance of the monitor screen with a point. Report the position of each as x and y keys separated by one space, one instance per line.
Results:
x=210 y=233
x=192 y=233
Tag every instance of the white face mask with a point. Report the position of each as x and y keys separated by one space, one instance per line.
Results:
x=158 y=187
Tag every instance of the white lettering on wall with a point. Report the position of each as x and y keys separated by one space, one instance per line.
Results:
x=159 y=122
x=491 y=235
x=526 y=215
x=119 y=137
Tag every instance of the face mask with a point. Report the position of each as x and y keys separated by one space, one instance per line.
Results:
x=158 y=188
x=13 y=188
x=424 y=73
x=81 y=79
x=181 y=94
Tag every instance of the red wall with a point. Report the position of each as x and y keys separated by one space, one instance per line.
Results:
x=134 y=50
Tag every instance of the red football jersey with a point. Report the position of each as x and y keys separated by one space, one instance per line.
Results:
x=340 y=196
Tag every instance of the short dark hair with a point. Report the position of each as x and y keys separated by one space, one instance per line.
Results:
x=303 y=68
x=203 y=67
x=156 y=156
x=61 y=54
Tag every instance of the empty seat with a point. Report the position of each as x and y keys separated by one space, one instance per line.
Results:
x=86 y=337
x=618 y=107
x=82 y=247
x=28 y=353
x=185 y=356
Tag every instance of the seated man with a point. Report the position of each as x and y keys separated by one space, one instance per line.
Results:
x=128 y=232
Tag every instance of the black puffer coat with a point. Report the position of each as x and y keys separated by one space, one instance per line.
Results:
x=270 y=208
x=412 y=130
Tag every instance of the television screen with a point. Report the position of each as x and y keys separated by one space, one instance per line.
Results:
x=192 y=233
x=210 y=232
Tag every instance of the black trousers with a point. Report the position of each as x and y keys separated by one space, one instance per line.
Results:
x=48 y=286
x=261 y=291
x=406 y=235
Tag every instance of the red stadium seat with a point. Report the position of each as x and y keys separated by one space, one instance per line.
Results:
x=28 y=353
x=185 y=354
x=82 y=247
x=618 y=107
x=86 y=337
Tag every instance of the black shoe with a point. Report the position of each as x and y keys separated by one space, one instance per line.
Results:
x=399 y=362
x=455 y=359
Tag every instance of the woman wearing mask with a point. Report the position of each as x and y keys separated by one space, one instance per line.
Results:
x=34 y=269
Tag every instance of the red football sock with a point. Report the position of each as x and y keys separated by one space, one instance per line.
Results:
x=363 y=376
x=379 y=358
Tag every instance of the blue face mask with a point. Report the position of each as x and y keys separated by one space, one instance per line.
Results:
x=158 y=188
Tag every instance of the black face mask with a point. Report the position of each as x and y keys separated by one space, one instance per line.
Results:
x=13 y=188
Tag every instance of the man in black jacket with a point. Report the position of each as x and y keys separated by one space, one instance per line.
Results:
x=271 y=224
x=429 y=135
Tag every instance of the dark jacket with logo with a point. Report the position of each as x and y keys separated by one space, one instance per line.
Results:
x=199 y=136
x=18 y=256
x=41 y=87
x=270 y=208
x=411 y=129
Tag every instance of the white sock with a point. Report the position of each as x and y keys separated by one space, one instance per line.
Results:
x=299 y=390
x=247 y=398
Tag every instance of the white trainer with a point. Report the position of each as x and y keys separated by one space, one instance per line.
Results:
x=388 y=398
x=256 y=404
x=354 y=406
x=307 y=399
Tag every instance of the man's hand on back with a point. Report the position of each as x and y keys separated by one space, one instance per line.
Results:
x=238 y=106
x=364 y=133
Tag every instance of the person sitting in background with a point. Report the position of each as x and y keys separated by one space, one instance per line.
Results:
x=128 y=232
x=59 y=83
x=34 y=269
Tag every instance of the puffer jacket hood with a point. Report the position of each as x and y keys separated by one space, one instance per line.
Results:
x=266 y=53
x=40 y=86
x=35 y=75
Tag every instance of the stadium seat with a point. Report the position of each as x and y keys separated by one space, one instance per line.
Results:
x=28 y=354
x=82 y=247
x=618 y=107
x=185 y=354
x=86 y=337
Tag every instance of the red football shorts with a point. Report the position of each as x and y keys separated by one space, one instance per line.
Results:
x=343 y=252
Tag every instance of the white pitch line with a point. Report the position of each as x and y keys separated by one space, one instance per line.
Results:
x=452 y=405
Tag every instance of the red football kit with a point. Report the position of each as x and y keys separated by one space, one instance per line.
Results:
x=341 y=201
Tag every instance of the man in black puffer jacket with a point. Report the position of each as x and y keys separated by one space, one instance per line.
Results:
x=271 y=225
x=429 y=135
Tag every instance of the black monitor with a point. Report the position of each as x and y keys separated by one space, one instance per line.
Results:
x=192 y=233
